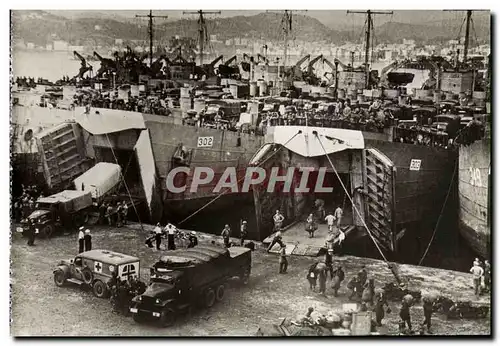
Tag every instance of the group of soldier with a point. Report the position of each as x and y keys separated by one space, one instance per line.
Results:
x=171 y=233
x=25 y=204
x=122 y=292
x=113 y=214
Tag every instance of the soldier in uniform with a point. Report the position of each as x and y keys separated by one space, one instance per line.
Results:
x=355 y=287
x=487 y=275
x=124 y=212
x=362 y=276
x=283 y=261
x=311 y=276
x=368 y=293
x=243 y=232
x=428 y=303
x=102 y=212
x=277 y=239
x=109 y=214
x=404 y=313
x=380 y=301
x=226 y=233
x=119 y=215
x=337 y=278
x=193 y=239
x=87 y=240
x=31 y=233
x=321 y=274
x=81 y=240
x=278 y=220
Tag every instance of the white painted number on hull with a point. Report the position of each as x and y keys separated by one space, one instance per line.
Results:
x=204 y=142
x=415 y=165
x=475 y=177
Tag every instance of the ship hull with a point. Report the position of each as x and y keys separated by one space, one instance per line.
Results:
x=474 y=195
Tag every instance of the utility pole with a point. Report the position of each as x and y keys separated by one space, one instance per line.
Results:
x=468 y=22
x=202 y=28
x=150 y=31
x=369 y=27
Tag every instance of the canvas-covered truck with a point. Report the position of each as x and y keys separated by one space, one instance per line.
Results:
x=100 y=180
x=65 y=209
x=185 y=278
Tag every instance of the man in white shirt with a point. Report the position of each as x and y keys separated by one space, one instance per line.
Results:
x=170 y=230
x=81 y=236
x=158 y=234
x=278 y=220
x=338 y=215
x=330 y=220
x=478 y=273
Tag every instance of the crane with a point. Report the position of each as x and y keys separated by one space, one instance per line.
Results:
x=84 y=65
x=262 y=58
x=219 y=58
x=230 y=60
x=311 y=64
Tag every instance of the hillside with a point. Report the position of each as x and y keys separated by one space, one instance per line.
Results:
x=41 y=27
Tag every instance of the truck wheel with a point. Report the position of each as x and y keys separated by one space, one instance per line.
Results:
x=219 y=294
x=167 y=317
x=59 y=278
x=47 y=231
x=209 y=298
x=87 y=276
x=100 y=290
x=138 y=318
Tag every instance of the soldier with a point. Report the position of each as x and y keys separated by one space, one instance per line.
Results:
x=329 y=261
x=321 y=274
x=478 y=272
x=226 y=233
x=109 y=214
x=310 y=225
x=158 y=234
x=119 y=215
x=355 y=287
x=283 y=261
x=311 y=277
x=428 y=303
x=81 y=240
x=329 y=221
x=277 y=239
x=404 y=313
x=31 y=233
x=243 y=232
x=102 y=212
x=368 y=292
x=337 y=278
x=193 y=240
x=338 y=216
x=380 y=301
x=362 y=276
x=278 y=220
x=87 y=240
x=124 y=212
x=170 y=229
x=487 y=275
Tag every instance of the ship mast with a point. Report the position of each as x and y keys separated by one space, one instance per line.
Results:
x=287 y=28
x=202 y=28
x=150 y=31
x=369 y=27
x=468 y=22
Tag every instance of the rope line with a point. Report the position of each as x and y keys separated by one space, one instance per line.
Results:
x=226 y=191
x=440 y=215
x=125 y=183
x=350 y=199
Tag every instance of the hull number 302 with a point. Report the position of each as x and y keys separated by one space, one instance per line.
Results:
x=204 y=142
x=415 y=165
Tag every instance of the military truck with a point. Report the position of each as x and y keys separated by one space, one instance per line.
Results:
x=96 y=268
x=67 y=209
x=185 y=278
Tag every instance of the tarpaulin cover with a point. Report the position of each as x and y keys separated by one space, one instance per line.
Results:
x=307 y=144
x=100 y=179
x=103 y=120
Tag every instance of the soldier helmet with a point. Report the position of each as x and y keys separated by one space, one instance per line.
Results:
x=226 y=226
x=193 y=233
x=244 y=222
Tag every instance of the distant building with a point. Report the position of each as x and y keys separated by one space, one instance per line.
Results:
x=97 y=27
x=48 y=46
x=118 y=41
x=408 y=42
x=30 y=45
x=76 y=48
x=213 y=38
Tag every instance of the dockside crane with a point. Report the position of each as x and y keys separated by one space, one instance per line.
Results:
x=85 y=66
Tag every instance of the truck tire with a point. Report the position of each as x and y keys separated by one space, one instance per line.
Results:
x=59 y=278
x=100 y=289
x=167 y=317
x=47 y=231
x=209 y=298
x=219 y=294
x=138 y=318
x=87 y=276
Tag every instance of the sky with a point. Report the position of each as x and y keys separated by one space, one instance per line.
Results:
x=335 y=19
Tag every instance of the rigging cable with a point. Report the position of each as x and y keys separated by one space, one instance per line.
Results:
x=350 y=199
x=241 y=179
x=441 y=214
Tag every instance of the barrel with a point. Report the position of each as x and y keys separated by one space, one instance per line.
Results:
x=253 y=89
x=437 y=96
x=341 y=94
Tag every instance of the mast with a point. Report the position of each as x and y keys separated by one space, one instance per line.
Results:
x=467 y=33
x=150 y=31
x=202 y=28
x=368 y=32
x=287 y=27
